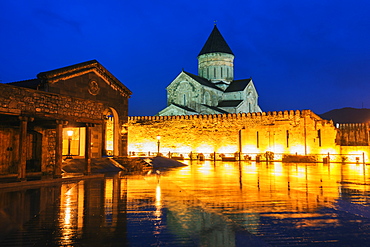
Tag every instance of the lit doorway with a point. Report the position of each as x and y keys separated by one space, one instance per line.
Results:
x=110 y=134
x=74 y=141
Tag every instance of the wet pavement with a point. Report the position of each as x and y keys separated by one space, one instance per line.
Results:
x=203 y=204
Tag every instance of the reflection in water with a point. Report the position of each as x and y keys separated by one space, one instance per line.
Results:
x=203 y=204
x=108 y=202
x=273 y=199
x=206 y=168
x=66 y=224
x=158 y=210
x=71 y=212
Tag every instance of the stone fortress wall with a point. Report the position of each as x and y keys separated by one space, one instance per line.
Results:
x=354 y=134
x=283 y=132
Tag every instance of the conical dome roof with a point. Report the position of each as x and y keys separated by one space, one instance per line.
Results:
x=215 y=43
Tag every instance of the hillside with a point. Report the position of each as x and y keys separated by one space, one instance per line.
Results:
x=348 y=115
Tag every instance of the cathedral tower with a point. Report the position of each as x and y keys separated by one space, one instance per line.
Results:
x=213 y=90
x=216 y=60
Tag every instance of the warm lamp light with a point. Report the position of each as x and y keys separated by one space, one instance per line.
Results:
x=70 y=132
x=158 y=137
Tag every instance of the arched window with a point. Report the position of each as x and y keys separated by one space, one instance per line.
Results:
x=184 y=93
x=207 y=98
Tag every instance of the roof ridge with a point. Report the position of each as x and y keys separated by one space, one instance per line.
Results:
x=183 y=107
x=238 y=85
x=215 y=108
x=202 y=80
x=66 y=68
x=26 y=80
x=57 y=74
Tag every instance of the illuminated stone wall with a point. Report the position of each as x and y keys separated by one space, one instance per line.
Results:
x=288 y=132
x=353 y=134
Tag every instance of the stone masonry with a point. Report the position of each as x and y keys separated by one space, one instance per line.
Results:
x=287 y=132
x=27 y=101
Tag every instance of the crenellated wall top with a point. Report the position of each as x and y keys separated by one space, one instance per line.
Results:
x=344 y=126
x=275 y=114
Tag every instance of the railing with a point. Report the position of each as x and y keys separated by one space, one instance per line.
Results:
x=259 y=157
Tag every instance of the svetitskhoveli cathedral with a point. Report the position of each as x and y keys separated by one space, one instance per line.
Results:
x=213 y=90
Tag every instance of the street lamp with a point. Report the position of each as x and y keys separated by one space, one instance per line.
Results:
x=158 y=143
x=70 y=134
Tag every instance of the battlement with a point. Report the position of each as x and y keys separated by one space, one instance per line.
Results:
x=278 y=114
x=351 y=126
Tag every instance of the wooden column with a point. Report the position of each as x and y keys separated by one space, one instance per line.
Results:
x=59 y=148
x=88 y=149
x=22 y=162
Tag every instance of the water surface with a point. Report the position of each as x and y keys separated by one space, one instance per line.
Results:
x=203 y=204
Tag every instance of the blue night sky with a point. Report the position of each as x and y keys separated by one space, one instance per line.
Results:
x=301 y=54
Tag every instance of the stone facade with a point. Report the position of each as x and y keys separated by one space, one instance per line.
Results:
x=42 y=109
x=213 y=90
x=24 y=101
x=37 y=113
x=89 y=81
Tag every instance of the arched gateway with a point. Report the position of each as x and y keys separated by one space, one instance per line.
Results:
x=111 y=133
